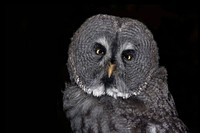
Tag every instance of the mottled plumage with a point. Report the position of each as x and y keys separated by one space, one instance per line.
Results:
x=116 y=83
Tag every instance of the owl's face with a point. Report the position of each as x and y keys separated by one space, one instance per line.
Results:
x=112 y=56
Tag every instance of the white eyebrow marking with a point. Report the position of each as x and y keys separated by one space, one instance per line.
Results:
x=103 y=42
x=127 y=45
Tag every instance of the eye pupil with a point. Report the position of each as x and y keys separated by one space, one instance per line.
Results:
x=129 y=57
x=128 y=54
x=99 y=51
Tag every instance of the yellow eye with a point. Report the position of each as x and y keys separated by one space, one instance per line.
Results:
x=99 y=51
x=129 y=57
x=128 y=54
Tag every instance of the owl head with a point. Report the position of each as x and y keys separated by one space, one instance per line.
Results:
x=112 y=56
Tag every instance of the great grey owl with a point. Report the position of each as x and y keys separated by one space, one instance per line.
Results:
x=116 y=83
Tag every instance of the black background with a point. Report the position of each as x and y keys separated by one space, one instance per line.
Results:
x=37 y=38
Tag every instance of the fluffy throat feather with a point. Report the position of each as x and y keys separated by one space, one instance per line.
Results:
x=100 y=90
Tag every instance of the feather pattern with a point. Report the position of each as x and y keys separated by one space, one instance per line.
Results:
x=132 y=97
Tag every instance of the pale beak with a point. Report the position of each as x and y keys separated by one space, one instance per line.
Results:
x=111 y=68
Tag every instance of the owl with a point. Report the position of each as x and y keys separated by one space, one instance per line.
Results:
x=116 y=84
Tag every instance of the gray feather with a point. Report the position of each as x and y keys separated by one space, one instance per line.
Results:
x=135 y=99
